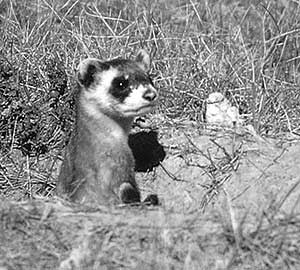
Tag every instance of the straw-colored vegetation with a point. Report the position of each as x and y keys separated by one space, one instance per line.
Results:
x=230 y=198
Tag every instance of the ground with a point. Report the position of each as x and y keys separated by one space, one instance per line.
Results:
x=227 y=197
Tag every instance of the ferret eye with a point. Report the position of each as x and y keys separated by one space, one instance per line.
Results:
x=121 y=83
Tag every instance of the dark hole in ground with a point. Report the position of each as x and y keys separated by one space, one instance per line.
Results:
x=146 y=149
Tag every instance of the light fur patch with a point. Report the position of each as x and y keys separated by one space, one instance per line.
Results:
x=135 y=101
x=100 y=95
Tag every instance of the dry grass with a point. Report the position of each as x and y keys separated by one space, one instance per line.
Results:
x=47 y=234
x=248 y=50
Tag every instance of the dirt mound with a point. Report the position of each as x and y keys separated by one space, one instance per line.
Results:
x=251 y=170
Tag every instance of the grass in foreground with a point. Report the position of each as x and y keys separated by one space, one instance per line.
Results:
x=50 y=235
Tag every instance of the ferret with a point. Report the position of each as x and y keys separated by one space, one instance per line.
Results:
x=99 y=165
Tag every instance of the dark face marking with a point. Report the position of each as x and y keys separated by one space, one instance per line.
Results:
x=132 y=77
x=120 y=88
x=87 y=76
x=121 y=83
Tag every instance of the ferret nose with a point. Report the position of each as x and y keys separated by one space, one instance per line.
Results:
x=150 y=95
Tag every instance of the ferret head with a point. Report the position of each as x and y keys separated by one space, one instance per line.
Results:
x=119 y=88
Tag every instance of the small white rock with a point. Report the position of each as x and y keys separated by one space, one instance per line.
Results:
x=220 y=112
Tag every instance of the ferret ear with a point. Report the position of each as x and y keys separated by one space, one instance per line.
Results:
x=143 y=60
x=87 y=70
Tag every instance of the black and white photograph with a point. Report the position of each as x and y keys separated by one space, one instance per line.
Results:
x=149 y=135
